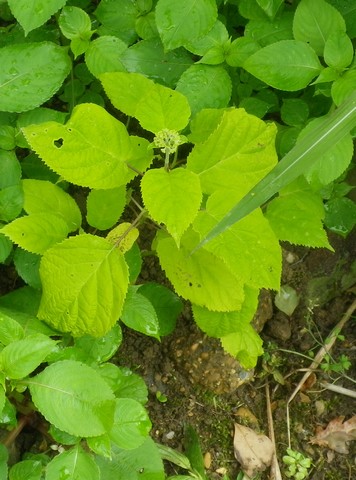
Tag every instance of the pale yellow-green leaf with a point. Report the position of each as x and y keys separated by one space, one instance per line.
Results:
x=123 y=236
x=245 y=345
x=84 y=279
x=172 y=198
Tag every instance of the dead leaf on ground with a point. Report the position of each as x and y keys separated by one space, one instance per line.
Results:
x=337 y=434
x=253 y=450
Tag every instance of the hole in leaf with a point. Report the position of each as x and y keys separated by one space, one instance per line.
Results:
x=58 y=143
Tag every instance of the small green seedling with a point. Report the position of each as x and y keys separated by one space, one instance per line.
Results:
x=297 y=465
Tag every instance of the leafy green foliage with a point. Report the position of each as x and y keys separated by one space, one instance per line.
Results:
x=232 y=105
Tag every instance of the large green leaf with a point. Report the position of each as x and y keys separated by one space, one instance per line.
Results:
x=131 y=424
x=80 y=392
x=90 y=150
x=296 y=215
x=286 y=65
x=37 y=232
x=314 y=21
x=236 y=155
x=300 y=158
x=84 y=281
x=76 y=463
x=31 y=74
x=183 y=21
x=205 y=86
x=200 y=277
x=33 y=13
x=249 y=248
x=172 y=197
x=41 y=196
x=156 y=107
x=20 y=358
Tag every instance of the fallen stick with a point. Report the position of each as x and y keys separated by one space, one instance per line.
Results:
x=275 y=470
x=337 y=389
x=324 y=350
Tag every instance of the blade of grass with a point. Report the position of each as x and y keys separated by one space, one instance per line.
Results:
x=304 y=154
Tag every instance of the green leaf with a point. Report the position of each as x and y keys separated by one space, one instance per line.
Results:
x=338 y=51
x=265 y=32
x=166 y=304
x=7 y=137
x=296 y=216
x=340 y=215
x=26 y=319
x=332 y=163
x=172 y=198
x=183 y=21
x=270 y=7
x=10 y=169
x=80 y=392
x=100 y=445
x=142 y=463
x=21 y=357
x=286 y=300
x=32 y=14
x=131 y=424
x=123 y=382
x=139 y=314
x=245 y=345
x=74 y=23
x=200 y=277
x=100 y=142
x=134 y=261
x=104 y=55
x=4 y=456
x=119 y=22
x=219 y=324
x=234 y=158
x=217 y=36
x=240 y=49
x=295 y=163
x=286 y=65
x=29 y=469
x=11 y=202
x=205 y=86
x=5 y=248
x=84 y=283
x=100 y=349
x=314 y=21
x=62 y=438
x=344 y=87
x=149 y=58
x=74 y=464
x=10 y=329
x=249 y=248
x=105 y=207
x=27 y=266
x=37 y=232
x=294 y=111
x=45 y=197
x=156 y=107
x=37 y=70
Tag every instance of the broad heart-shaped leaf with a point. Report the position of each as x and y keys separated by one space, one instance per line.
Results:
x=104 y=207
x=34 y=13
x=31 y=73
x=249 y=248
x=90 y=150
x=20 y=358
x=219 y=324
x=156 y=107
x=37 y=232
x=236 y=155
x=314 y=21
x=200 y=277
x=75 y=463
x=183 y=21
x=131 y=424
x=172 y=197
x=139 y=314
x=205 y=86
x=296 y=215
x=286 y=65
x=31 y=469
x=244 y=344
x=295 y=163
x=80 y=392
x=41 y=196
x=84 y=281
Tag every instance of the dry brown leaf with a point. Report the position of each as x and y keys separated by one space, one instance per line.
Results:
x=337 y=434
x=252 y=450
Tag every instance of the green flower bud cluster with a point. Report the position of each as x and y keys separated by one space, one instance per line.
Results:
x=168 y=140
